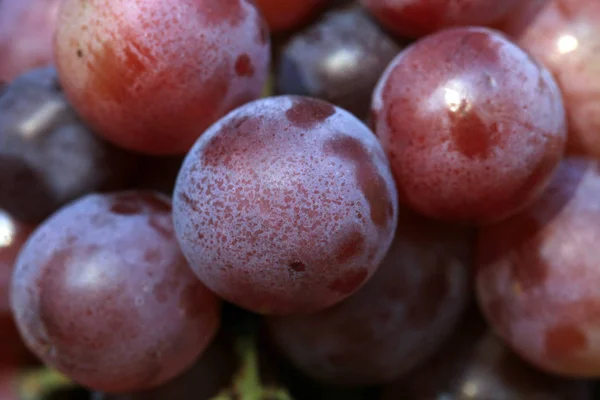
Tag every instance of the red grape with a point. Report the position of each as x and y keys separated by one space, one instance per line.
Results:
x=338 y=59
x=283 y=15
x=416 y=18
x=13 y=234
x=47 y=155
x=398 y=319
x=286 y=205
x=151 y=76
x=102 y=292
x=474 y=128
x=538 y=274
x=26 y=31
x=565 y=36
x=474 y=365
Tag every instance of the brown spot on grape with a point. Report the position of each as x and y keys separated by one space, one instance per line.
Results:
x=126 y=205
x=79 y=53
x=371 y=183
x=351 y=281
x=161 y=225
x=155 y=202
x=352 y=245
x=432 y=293
x=472 y=136
x=152 y=255
x=297 y=266
x=564 y=341
x=224 y=11
x=229 y=147
x=306 y=112
x=243 y=66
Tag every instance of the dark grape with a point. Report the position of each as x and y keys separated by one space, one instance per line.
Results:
x=475 y=365
x=47 y=155
x=26 y=30
x=473 y=126
x=538 y=274
x=565 y=36
x=102 y=292
x=417 y=18
x=397 y=320
x=338 y=59
x=152 y=75
x=286 y=205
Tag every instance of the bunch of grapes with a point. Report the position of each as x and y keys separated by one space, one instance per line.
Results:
x=218 y=199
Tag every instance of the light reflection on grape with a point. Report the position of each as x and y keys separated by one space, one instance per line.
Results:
x=7 y=230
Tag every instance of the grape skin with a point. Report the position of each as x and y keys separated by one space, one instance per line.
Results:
x=475 y=365
x=288 y=14
x=102 y=293
x=48 y=156
x=338 y=59
x=565 y=36
x=26 y=31
x=480 y=132
x=416 y=18
x=397 y=320
x=13 y=234
x=538 y=276
x=286 y=205
x=151 y=76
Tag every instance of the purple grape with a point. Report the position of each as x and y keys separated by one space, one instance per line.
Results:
x=286 y=205
x=396 y=320
x=102 y=293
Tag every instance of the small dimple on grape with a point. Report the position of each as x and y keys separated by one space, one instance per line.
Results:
x=92 y=281
x=283 y=196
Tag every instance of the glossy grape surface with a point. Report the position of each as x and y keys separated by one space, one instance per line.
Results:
x=288 y=14
x=565 y=36
x=397 y=320
x=538 y=274
x=338 y=59
x=47 y=155
x=473 y=126
x=26 y=31
x=416 y=18
x=102 y=292
x=285 y=205
x=475 y=365
x=151 y=76
x=13 y=234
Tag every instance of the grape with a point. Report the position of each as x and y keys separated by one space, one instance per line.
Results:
x=473 y=127
x=211 y=374
x=397 y=320
x=339 y=59
x=417 y=18
x=26 y=29
x=151 y=76
x=91 y=284
x=565 y=35
x=13 y=234
x=286 y=205
x=475 y=365
x=538 y=274
x=47 y=155
x=288 y=14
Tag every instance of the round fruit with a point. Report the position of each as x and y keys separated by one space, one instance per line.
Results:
x=286 y=205
x=151 y=76
x=282 y=15
x=538 y=274
x=473 y=126
x=102 y=293
x=397 y=320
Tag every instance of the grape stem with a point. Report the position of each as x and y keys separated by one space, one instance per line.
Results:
x=247 y=384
